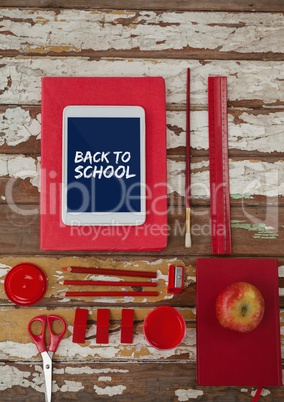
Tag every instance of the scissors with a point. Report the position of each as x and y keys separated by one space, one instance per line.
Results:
x=47 y=352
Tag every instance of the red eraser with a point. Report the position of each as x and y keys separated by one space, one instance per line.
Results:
x=127 y=321
x=80 y=325
x=102 y=325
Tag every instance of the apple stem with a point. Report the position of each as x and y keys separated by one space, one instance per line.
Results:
x=243 y=311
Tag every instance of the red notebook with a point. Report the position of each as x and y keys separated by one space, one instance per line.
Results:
x=147 y=92
x=228 y=358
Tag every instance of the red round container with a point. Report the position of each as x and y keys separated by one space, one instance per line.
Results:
x=25 y=284
x=164 y=327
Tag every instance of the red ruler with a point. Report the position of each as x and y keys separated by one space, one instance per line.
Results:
x=219 y=166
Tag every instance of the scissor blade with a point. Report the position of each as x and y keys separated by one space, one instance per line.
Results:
x=47 y=370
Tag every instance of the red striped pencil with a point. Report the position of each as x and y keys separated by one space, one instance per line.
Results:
x=110 y=294
x=109 y=283
x=187 y=164
x=108 y=271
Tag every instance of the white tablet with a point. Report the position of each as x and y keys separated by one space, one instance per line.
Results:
x=103 y=172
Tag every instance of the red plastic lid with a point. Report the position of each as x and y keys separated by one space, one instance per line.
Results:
x=25 y=284
x=164 y=327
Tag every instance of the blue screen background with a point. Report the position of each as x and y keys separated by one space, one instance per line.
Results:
x=98 y=134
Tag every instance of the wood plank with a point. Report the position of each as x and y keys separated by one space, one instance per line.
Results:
x=142 y=34
x=154 y=382
x=22 y=347
x=252 y=132
x=250 y=83
x=178 y=5
x=18 y=191
x=20 y=129
x=251 y=180
x=54 y=299
x=15 y=191
x=256 y=230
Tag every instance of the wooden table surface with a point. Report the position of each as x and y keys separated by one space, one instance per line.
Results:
x=240 y=39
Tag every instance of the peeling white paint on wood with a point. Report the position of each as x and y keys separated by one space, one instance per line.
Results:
x=114 y=350
x=20 y=166
x=18 y=126
x=176 y=127
x=90 y=371
x=3 y=271
x=263 y=81
x=281 y=271
x=71 y=386
x=199 y=178
x=262 y=132
x=264 y=392
x=159 y=261
x=12 y=376
x=108 y=300
x=104 y=378
x=110 y=390
x=188 y=394
x=187 y=347
x=16 y=350
x=257 y=178
x=248 y=178
x=161 y=276
x=44 y=31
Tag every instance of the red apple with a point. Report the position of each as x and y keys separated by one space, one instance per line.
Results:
x=240 y=307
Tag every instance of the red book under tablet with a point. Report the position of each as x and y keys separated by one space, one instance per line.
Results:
x=146 y=92
x=228 y=358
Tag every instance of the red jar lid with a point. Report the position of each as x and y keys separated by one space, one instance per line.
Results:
x=25 y=284
x=164 y=327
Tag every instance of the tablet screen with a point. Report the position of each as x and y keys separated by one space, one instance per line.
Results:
x=103 y=166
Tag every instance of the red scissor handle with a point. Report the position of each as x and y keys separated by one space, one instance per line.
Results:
x=55 y=338
x=39 y=340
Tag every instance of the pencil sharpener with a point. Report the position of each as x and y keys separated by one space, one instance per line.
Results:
x=175 y=279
